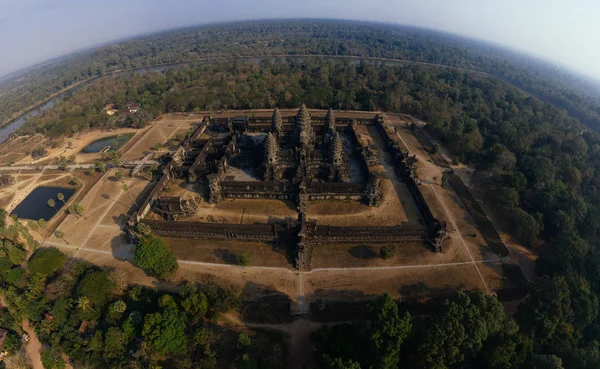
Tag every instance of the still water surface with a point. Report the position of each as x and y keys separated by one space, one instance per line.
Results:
x=35 y=206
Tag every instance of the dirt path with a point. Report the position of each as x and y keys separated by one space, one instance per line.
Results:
x=33 y=347
x=298 y=332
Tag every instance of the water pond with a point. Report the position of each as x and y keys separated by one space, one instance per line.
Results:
x=112 y=142
x=35 y=206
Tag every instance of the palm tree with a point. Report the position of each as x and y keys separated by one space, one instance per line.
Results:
x=61 y=235
x=119 y=175
x=125 y=189
x=60 y=197
x=42 y=223
x=84 y=303
x=52 y=204
x=46 y=327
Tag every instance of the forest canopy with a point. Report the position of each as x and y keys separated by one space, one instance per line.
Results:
x=580 y=97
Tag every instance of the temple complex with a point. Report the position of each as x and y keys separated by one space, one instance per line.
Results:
x=299 y=158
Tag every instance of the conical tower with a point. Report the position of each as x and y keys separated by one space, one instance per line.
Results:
x=337 y=149
x=303 y=116
x=271 y=149
x=303 y=131
x=271 y=156
x=277 y=123
x=330 y=120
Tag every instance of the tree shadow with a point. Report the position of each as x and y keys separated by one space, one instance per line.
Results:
x=226 y=256
x=122 y=249
x=264 y=304
x=363 y=252
x=420 y=290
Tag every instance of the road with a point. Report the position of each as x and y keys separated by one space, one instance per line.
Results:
x=44 y=167
x=143 y=162
x=33 y=347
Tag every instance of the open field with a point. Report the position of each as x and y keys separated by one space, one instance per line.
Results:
x=401 y=283
x=160 y=131
x=367 y=255
x=225 y=251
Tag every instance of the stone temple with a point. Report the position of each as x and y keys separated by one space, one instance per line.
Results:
x=297 y=158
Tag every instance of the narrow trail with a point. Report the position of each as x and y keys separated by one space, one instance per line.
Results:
x=33 y=347
x=461 y=238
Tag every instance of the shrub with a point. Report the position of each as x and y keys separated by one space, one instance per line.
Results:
x=243 y=258
x=152 y=255
x=46 y=261
x=387 y=251
x=435 y=148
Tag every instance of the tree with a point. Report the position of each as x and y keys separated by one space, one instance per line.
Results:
x=59 y=234
x=75 y=209
x=52 y=204
x=194 y=303
x=435 y=149
x=119 y=175
x=84 y=304
x=115 y=343
x=338 y=363
x=152 y=255
x=3 y=214
x=46 y=261
x=165 y=331
x=60 y=197
x=51 y=359
x=126 y=189
x=95 y=285
x=458 y=332
x=42 y=223
x=143 y=229
x=99 y=166
x=388 y=331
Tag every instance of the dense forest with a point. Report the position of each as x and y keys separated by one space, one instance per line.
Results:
x=301 y=37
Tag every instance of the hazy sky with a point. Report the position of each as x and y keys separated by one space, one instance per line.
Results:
x=567 y=32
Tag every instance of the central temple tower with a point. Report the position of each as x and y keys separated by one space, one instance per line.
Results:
x=304 y=134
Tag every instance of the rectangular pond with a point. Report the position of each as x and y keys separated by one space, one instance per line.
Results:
x=35 y=206
x=111 y=143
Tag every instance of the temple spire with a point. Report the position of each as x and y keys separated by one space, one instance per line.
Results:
x=337 y=149
x=271 y=149
x=330 y=120
x=276 y=123
x=303 y=131
x=303 y=117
